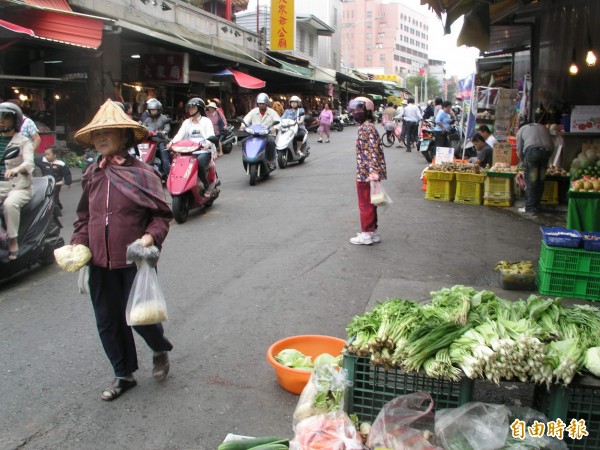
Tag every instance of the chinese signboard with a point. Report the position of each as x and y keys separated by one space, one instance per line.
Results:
x=166 y=67
x=384 y=77
x=283 y=24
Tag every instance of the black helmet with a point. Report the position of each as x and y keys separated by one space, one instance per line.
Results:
x=154 y=104
x=8 y=108
x=196 y=101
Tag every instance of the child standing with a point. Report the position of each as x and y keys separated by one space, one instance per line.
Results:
x=51 y=165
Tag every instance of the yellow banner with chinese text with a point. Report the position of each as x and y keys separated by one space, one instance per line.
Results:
x=283 y=22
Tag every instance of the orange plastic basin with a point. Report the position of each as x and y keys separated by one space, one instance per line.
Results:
x=294 y=380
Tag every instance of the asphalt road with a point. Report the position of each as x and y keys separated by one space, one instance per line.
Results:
x=263 y=263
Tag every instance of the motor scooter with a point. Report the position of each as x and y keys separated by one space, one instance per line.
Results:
x=337 y=124
x=150 y=153
x=311 y=123
x=286 y=144
x=254 y=153
x=426 y=143
x=228 y=139
x=183 y=184
x=39 y=231
x=347 y=119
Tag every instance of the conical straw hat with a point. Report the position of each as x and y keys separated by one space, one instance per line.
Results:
x=110 y=115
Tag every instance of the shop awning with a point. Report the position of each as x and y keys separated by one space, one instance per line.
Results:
x=60 y=5
x=65 y=28
x=9 y=29
x=243 y=79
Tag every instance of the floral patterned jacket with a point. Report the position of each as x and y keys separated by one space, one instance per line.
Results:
x=369 y=153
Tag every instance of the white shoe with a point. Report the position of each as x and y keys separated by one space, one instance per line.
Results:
x=522 y=210
x=375 y=237
x=362 y=239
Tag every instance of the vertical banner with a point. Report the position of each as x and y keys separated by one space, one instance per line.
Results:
x=283 y=25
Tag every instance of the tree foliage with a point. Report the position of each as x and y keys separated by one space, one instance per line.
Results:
x=433 y=86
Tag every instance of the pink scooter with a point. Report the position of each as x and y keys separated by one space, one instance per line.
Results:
x=183 y=183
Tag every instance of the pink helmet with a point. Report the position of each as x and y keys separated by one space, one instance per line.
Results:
x=363 y=102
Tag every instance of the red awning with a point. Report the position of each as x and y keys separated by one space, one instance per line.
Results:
x=247 y=81
x=63 y=27
x=13 y=28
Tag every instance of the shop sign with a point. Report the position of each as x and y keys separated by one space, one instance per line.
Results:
x=169 y=67
x=502 y=153
x=444 y=154
x=585 y=119
x=283 y=21
x=384 y=77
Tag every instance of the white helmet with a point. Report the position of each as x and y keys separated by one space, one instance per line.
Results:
x=296 y=99
x=363 y=102
x=262 y=98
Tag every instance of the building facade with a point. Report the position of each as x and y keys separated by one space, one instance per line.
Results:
x=388 y=35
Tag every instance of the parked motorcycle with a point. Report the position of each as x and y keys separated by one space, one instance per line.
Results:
x=183 y=183
x=39 y=231
x=228 y=139
x=149 y=152
x=337 y=125
x=426 y=144
x=254 y=153
x=311 y=123
x=347 y=119
x=285 y=144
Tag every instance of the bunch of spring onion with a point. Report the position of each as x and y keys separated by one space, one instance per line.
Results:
x=500 y=350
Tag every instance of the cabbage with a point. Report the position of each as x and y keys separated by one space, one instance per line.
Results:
x=592 y=360
x=326 y=358
x=576 y=163
x=590 y=155
x=290 y=357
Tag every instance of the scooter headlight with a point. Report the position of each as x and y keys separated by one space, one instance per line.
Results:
x=263 y=132
x=143 y=146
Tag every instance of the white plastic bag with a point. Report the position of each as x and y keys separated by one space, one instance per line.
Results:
x=379 y=196
x=146 y=304
x=83 y=281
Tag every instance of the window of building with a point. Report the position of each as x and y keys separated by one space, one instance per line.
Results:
x=368 y=57
x=368 y=35
x=378 y=45
x=380 y=35
x=382 y=57
x=302 y=35
x=396 y=58
x=335 y=15
x=368 y=46
x=369 y=14
x=311 y=45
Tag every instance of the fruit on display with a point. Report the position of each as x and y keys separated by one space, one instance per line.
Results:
x=556 y=171
x=503 y=168
x=587 y=164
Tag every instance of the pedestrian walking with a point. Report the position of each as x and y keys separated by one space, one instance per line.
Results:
x=412 y=117
x=534 y=147
x=122 y=201
x=370 y=166
x=325 y=121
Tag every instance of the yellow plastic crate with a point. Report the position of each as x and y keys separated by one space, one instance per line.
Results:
x=468 y=193
x=499 y=188
x=470 y=177
x=550 y=195
x=497 y=202
x=437 y=175
x=442 y=190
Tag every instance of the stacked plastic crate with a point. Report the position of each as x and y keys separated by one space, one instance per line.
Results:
x=499 y=189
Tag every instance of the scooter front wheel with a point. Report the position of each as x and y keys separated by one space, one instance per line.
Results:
x=181 y=207
x=253 y=172
x=227 y=148
x=282 y=159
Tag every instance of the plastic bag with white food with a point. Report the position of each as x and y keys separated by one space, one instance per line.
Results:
x=136 y=252
x=146 y=304
x=72 y=257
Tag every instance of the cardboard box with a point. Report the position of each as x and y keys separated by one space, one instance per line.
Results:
x=585 y=119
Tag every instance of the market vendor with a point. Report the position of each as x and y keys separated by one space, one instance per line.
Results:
x=485 y=153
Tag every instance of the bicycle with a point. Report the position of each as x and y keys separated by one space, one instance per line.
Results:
x=389 y=137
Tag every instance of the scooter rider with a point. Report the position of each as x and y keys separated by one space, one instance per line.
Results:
x=267 y=117
x=161 y=124
x=295 y=112
x=199 y=126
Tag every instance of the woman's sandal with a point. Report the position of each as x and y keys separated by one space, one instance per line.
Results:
x=118 y=388
x=13 y=255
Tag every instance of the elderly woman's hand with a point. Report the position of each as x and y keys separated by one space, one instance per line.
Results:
x=147 y=240
x=11 y=173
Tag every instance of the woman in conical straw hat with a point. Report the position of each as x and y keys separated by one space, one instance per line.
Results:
x=122 y=201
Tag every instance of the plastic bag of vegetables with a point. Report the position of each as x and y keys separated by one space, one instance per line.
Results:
x=405 y=423
x=324 y=392
x=146 y=304
x=332 y=431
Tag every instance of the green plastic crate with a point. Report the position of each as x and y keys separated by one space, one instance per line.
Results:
x=563 y=285
x=580 y=401
x=373 y=386
x=442 y=190
x=468 y=192
x=569 y=261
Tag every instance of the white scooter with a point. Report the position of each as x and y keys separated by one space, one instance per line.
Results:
x=286 y=144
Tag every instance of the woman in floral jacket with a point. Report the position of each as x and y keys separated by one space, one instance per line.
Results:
x=370 y=166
